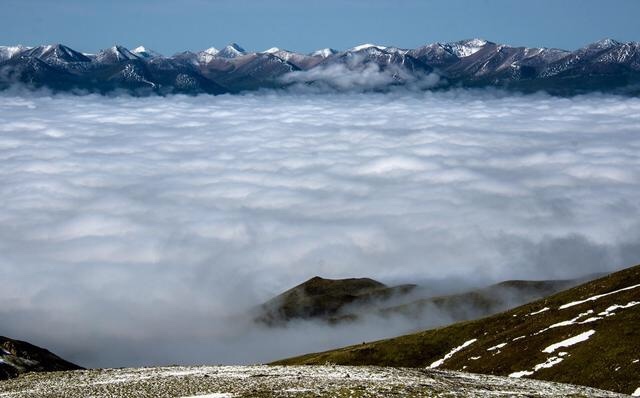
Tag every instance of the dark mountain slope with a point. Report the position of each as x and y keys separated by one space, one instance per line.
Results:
x=479 y=302
x=349 y=300
x=586 y=335
x=17 y=357
x=320 y=298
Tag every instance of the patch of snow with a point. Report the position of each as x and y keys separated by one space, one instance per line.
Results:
x=475 y=358
x=7 y=52
x=366 y=46
x=594 y=298
x=636 y=393
x=636 y=361
x=231 y=51
x=550 y=362
x=570 y=321
x=272 y=50
x=208 y=55
x=573 y=321
x=466 y=48
x=520 y=374
x=518 y=338
x=609 y=310
x=570 y=341
x=145 y=52
x=495 y=347
x=211 y=51
x=539 y=311
x=451 y=353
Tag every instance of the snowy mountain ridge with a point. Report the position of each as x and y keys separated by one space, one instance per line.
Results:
x=606 y=65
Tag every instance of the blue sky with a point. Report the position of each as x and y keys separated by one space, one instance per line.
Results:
x=306 y=25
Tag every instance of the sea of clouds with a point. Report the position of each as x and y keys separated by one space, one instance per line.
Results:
x=136 y=231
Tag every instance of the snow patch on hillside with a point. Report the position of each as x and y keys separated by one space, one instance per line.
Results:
x=539 y=311
x=570 y=341
x=451 y=353
x=596 y=297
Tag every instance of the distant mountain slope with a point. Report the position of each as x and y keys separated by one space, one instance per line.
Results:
x=586 y=335
x=17 y=357
x=481 y=302
x=345 y=300
x=320 y=298
x=607 y=66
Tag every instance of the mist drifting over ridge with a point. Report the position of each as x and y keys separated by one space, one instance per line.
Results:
x=134 y=230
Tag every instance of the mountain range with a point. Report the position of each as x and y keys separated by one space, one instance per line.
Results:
x=606 y=65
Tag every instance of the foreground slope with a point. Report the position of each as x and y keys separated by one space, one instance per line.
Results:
x=277 y=381
x=586 y=335
x=17 y=357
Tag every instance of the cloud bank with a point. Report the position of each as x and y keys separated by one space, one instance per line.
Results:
x=357 y=75
x=134 y=230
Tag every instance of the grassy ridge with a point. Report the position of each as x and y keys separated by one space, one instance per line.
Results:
x=605 y=360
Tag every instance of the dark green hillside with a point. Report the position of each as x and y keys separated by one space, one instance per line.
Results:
x=340 y=300
x=522 y=339
x=324 y=298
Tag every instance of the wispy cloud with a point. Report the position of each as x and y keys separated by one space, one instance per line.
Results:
x=132 y=229
x=357 y=75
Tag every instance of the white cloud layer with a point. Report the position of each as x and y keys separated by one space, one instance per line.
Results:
x=357 y=75
x=133 y=229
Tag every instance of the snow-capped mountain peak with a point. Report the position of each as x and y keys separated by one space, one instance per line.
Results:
x=56 y=54
x=272 y=50
x=367 y=46
x=465 y=48
x=605 y=43
x=116 y=53
x=144 y=52
x=7 y=52
x=231 y=51
x=211 y=51
x=206 y=56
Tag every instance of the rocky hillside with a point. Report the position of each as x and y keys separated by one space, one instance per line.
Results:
x=586 y=335
x=17 y=357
